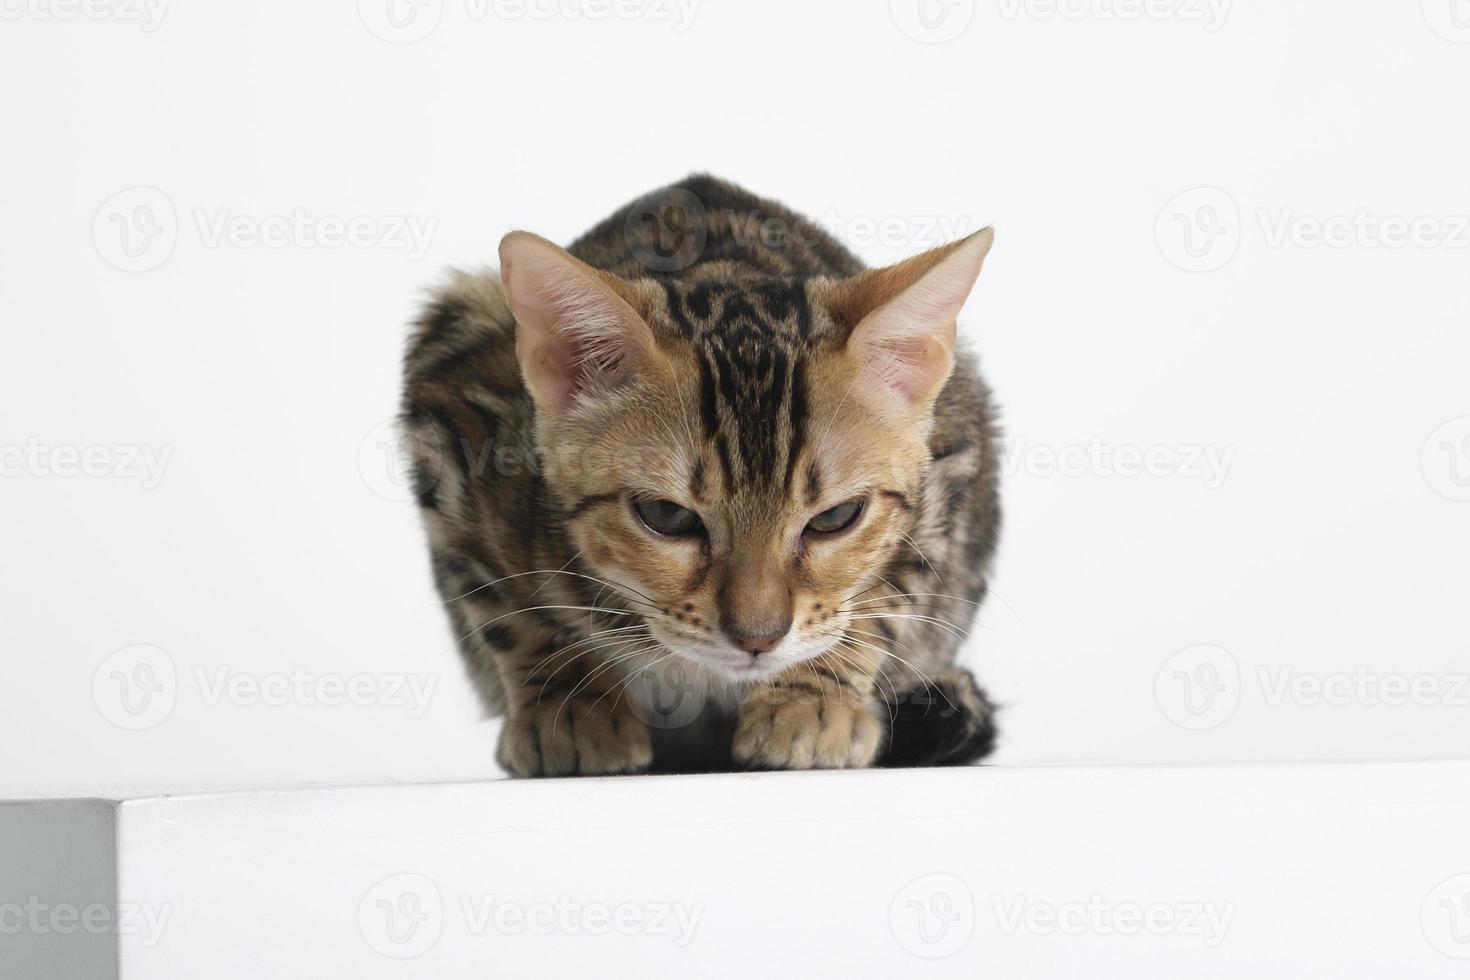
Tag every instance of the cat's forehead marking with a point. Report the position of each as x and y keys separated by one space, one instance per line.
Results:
x=751 y=340
x=770 y=310
x=813 y=484
x=696 y=481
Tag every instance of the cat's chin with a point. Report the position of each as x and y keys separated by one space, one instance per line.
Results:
x=751 y=672
x=735 y=669
x=723 y=663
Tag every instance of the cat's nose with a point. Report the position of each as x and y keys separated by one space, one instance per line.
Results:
x=756 y=638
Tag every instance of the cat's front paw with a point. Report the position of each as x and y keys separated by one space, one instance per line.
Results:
x=574 y=737
x=805 y=726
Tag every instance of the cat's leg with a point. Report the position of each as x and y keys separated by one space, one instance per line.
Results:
x=566 y=711
x=936 y=712
x=822 y=718
x=816 y=715
x=945 y=720
x=564 y=707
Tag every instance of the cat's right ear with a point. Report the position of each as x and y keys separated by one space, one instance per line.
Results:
x=577 y=337
x=904 y=338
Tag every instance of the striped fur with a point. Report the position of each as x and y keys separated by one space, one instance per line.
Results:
x=571 y=618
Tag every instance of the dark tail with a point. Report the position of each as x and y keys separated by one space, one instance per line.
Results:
x=947 y=723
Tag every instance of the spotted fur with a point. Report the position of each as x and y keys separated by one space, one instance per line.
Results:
x=748 y=405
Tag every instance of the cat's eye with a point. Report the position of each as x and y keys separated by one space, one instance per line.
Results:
x=835 y=519
x=667 y=518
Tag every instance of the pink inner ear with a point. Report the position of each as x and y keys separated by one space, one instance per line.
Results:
x=562 y=365
x=907 y=342
x=552 y=375
x=586 y=360
x=575 y=337
x=910 y=365
x=896 y=361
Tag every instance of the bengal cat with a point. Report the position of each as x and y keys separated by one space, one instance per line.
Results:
x=701 y=492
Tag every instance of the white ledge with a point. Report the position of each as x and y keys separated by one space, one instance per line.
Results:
x=1208 y=871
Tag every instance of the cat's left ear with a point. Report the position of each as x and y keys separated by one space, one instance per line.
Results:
x=577 y=336
x=904 y=337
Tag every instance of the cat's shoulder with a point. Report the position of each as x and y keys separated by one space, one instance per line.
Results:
x=465 y=302
x=465 y=325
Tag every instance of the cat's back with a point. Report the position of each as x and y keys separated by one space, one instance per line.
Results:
x=706 y=228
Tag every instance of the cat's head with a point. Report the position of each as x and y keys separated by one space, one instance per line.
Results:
x=739 y=457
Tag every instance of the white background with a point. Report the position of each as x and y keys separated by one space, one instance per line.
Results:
x=277 y=539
